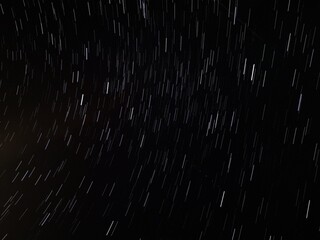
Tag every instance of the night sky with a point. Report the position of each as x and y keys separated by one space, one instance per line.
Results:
x=159 y=119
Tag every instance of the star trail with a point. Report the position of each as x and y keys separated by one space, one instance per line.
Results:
x=168 y=119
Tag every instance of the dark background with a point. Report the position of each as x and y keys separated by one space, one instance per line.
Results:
x=171 y=186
